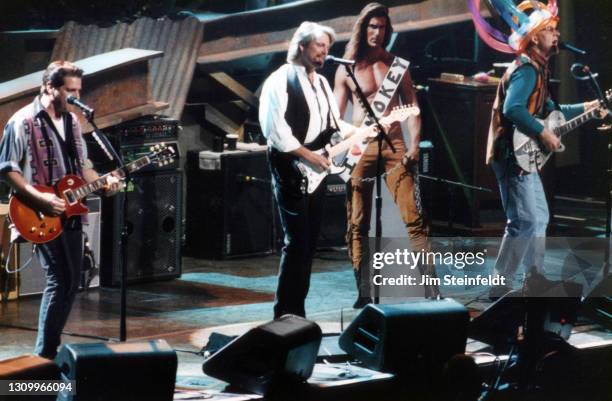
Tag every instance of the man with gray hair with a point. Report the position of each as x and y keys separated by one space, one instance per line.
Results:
x=297 y=107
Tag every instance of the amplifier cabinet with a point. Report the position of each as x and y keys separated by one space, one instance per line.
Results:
x=464 y=112
x=32 y=279
x=332 y=233
x=153 y=225
x=229 y=204
x=333 y=223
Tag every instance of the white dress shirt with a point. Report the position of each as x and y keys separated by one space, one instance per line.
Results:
x=273 y=105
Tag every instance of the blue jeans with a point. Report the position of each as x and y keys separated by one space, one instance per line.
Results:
x=526 y=208
x=62 y=260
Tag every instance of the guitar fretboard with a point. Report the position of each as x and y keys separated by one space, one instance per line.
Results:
x=82 y=191
x=575 y=122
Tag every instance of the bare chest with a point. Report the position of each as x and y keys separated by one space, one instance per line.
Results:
x=370 y=77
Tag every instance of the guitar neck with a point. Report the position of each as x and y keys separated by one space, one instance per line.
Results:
x=575 y=122
x=347 y=143
x=361 y=134
x=84 y=190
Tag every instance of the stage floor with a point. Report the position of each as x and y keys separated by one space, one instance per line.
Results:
x=229 y=297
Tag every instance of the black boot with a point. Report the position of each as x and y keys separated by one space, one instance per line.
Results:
x=362 y=288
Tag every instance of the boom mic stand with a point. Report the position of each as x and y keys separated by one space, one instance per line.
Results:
x=111 y=153
x=381 y=136
x=450 y=185
x=583 y=73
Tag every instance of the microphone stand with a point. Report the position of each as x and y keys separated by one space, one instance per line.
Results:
x=592 y=79
x=451 y=198
x=111 y=153
x=602 y=98
x=381 y=136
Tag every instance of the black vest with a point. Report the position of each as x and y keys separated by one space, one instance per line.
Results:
x=297 y=116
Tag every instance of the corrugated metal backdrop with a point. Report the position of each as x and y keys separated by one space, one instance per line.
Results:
x=171 y=75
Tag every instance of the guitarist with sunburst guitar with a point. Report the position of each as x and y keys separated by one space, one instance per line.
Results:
x=41 y=145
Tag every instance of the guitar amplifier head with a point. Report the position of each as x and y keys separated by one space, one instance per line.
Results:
x=134 y=152
x=145 y=129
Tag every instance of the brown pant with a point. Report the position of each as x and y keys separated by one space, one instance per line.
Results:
x=403 y=188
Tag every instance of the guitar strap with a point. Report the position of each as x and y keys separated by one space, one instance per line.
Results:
x=69 y=153
x=379 y=105
x=330 y=115
x=50 y=159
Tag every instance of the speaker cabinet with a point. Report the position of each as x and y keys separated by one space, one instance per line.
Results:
x=229 y=204
x=414 y=338
x=119 y=371
x=463 y=110
x=153 y=227
x=280 y=352
x=333 y=223
x=32 y=279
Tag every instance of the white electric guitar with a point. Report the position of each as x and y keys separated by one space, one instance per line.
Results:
x=531 y=155
x=314 y=175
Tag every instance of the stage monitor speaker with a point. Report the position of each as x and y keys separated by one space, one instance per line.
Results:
x=413 y=339
x=32 y=279
x=119 y=371
x=498 y=324
x=277 y=353
x=229 y=204
x=598 y=303
x=153 y=226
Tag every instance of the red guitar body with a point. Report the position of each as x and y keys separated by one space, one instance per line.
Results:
x=40 y=228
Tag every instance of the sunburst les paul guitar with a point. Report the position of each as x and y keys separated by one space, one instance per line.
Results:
x=531 y=155
x=39 y=228
x=314 y=176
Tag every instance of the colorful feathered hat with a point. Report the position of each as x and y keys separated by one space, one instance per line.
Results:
x=523 y=26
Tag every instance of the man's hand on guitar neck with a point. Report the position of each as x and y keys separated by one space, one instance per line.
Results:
x=113 y=185
x=550 y=140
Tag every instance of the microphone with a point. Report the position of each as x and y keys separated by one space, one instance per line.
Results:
x=419 y=88
x=573 y=49
x=582 y=72
x=88 y=111
x=337 y=60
